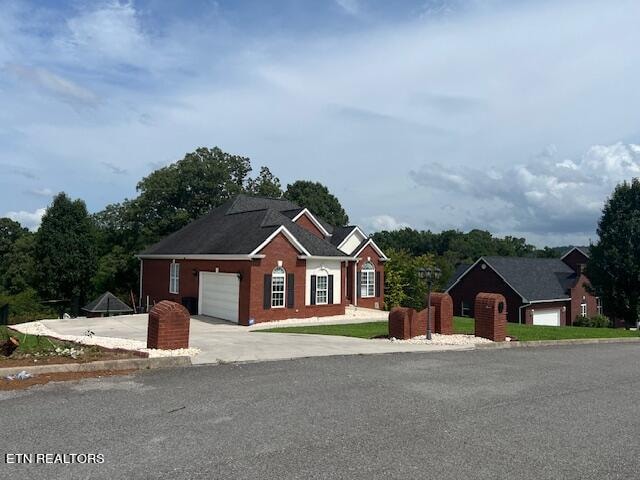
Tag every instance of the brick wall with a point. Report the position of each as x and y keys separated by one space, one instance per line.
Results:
x=281 y=249
x=479 y=280
x=577 y=293
x=490 y=322
x=369 y=252
x=575 y=259
x=307 y=224
x=442 y=307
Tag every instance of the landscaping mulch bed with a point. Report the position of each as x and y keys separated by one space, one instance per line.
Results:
x=44 y=378
x=92 y=354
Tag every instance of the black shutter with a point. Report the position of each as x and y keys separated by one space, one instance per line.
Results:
x=313 y=289
x=266 y=301
x=291 y=290
x=359 y=285
x=377 y=284
x=330 y=291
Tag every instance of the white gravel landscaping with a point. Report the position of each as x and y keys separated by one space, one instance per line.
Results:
x=438 y=339
x=37 y=328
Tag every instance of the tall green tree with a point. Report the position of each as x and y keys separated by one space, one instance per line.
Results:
x=18 y=273
x=614 y=263
x=172 y=196
x=317 y=198
x=10 y=233
x=265 y=184
x=65 y=250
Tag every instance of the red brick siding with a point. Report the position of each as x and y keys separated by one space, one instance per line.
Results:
x=490 y=322
x=577 y=293
x=155 y=280
x=168 y=327
x=379 y=266
x=307 y=224
x=477 y=281
x=527 y=315
x=281 y=249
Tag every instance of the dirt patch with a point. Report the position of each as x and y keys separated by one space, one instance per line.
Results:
x=43 y=378
x=90 y=355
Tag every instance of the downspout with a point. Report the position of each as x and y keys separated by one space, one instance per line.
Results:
x=140 y=298
x=355 y=282
x=520 y=312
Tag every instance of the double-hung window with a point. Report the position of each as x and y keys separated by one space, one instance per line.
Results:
x=278 y=280
x=322 y=289
x=368 y=280
x=583 y=308
x=599 y=305
x=174 y=278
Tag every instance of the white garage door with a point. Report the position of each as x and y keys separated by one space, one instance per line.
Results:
x=219 y=295
x=547 y=317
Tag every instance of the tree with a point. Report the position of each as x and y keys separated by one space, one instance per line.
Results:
x=317 y=198
x=265 y=185
x=614 y=263
x=172 y=196
x=10 y=233
x=64 y=250
x=402 y=282
x=18 y=274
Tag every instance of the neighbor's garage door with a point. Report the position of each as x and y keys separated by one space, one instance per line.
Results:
x=547 y=317
x=219 y=295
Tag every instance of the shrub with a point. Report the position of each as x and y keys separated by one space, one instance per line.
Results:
x=597 y=321
x=26 y=307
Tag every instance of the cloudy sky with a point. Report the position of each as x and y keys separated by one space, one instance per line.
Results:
x=514 y=116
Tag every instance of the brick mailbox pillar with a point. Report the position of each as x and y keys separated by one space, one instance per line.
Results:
x=400 y=323
x=168 y=327
x=442 y=319
x=491 y=316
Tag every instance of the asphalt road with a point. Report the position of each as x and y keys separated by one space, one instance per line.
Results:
x=557 y=413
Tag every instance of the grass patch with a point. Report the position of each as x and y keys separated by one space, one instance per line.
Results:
x=524 y=333
x=32 y=343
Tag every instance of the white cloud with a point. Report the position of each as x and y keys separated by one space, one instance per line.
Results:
x=542 y=196
x=55 y=84
x=115 y=169
x=31 y=220
x=40 y=192
x=352 y=7
x=384 y=222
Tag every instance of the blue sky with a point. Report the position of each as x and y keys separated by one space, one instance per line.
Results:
x=514 y=116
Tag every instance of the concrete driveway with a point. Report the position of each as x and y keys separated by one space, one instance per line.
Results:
x=220 y=341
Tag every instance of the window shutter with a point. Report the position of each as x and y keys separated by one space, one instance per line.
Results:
x=267 y=291
x=359 y=285
x=377 y=284
x=290 y=290
x=330 y=290
x=313 y=289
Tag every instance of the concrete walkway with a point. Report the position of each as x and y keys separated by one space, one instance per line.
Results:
x=221 y=341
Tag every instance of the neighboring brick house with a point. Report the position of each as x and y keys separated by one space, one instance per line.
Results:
x=538 y=291
x=257 y=259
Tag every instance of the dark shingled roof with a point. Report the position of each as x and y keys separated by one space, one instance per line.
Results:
x=238 y=227
x=340 y=233
x=460 y=269
x=107 y=302
x=586 y=251
x=535 y=278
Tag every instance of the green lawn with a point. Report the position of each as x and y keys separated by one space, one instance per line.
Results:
x=525 y=333
x=32 y=343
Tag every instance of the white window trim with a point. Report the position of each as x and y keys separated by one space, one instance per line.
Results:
x=325 y=275
x=583 y=309
x=284 y=286
x=599 y=305
x=369 y=270
x=174 y=278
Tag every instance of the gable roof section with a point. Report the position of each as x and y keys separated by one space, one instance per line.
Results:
x=534 y=279
x=107 y=302
x=340 y=234
x=583 y=250
x=457 y=273
x=313 y=219
x=363 y=245
x=248 y=203
x=236 y=229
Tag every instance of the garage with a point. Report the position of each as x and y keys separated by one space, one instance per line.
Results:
x=549 y=318
x=219 y=295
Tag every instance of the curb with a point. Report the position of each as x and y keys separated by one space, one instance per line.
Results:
x=114 y=365
x=557 y=343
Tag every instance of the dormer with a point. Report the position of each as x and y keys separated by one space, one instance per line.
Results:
x=352 y=241
x=310 y=223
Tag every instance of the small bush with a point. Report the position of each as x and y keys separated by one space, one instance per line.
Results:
x=597 y=321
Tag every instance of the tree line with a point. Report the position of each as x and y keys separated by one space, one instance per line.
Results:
x=75 y=255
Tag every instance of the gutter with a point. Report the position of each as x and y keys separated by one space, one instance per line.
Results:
x=179 y=256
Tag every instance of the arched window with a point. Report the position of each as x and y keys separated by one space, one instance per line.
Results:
x=278 y=280
x=368 y=280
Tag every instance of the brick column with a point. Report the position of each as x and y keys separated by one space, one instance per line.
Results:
x=400 y=323
x=442 y=306
x=168 y=327
x=491 y=316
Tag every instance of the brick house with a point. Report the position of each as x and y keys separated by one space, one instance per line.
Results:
x=257 y=259
x=539 y=291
